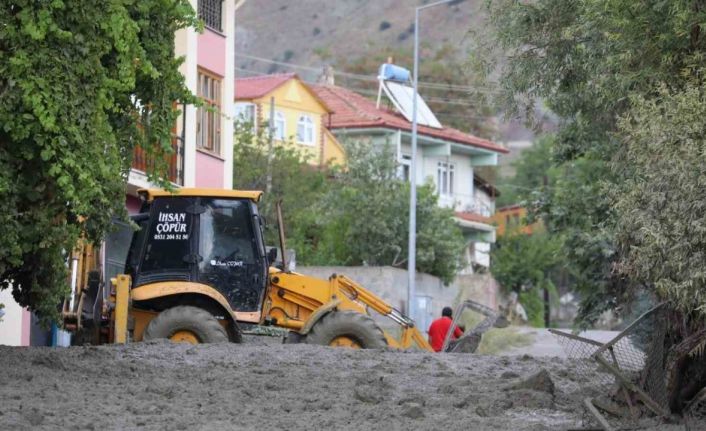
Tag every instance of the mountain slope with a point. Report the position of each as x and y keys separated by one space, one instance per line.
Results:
x=318 y=32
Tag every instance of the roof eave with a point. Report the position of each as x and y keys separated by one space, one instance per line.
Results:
x=383 y=127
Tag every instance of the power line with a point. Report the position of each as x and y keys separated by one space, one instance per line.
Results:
x=251 y=72
x=279 y=63
x=367 y=78
x=313 y=69
x=467 y=90
x=457 y=102
x=438 y=101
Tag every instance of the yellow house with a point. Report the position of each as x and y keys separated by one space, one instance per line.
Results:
x=513 y=218
x=299 y=115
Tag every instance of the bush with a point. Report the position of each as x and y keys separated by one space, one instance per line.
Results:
x=76 y=78
x=354 y=216
x=525 y=264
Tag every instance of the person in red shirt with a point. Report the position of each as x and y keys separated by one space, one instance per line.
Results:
x=440 y=327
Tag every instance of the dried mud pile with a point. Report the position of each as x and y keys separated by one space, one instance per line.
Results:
x=160 y=385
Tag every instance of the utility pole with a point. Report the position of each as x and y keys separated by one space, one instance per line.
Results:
x=270 y=146
x=547 y=310
x=412 y=246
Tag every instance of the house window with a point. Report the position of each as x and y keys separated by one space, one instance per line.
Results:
x=208 y=117
x=445 y=178
x=245 y=113
x=211 y=12
x=406 y=168
x=305 y=130
x=280 y=126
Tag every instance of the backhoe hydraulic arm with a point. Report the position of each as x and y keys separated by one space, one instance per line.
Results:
x=358 y=292
x=297 y=302
x=409 y=336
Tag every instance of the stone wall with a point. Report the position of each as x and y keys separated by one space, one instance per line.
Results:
x=391 y=284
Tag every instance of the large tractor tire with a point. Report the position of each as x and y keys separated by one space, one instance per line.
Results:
x=347 y=329
x=294 y=338
x=186 y=324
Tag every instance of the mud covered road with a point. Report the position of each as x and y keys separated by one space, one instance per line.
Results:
x=160 y=386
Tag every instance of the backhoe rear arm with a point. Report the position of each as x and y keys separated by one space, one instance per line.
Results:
x=410 y=334
x=295 y=298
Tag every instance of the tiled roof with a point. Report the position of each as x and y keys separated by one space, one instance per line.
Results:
x=258 y=86
x=484 y=185
x=509 y=208
x=351 y=110
x=469 y=216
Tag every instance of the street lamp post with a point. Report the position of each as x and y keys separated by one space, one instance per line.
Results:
x=412 y=257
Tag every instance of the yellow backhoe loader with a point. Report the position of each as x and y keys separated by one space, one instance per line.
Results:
x=197 y=270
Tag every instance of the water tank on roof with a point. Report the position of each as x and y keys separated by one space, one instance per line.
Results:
x=390 y=72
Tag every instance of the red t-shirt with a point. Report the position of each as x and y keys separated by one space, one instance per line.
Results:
x=438 y=330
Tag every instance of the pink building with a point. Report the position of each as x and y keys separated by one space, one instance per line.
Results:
x=203 y=140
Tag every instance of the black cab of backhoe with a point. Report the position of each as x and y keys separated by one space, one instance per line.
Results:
x=213 y=240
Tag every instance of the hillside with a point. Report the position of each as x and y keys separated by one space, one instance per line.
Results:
x=319 y=32
x=355 y=37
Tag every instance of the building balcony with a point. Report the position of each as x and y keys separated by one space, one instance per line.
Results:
x=480 y=207
x=475 y=227
x=142 y=163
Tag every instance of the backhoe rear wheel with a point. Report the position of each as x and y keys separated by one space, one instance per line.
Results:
x=347 y=329
x=186 y=324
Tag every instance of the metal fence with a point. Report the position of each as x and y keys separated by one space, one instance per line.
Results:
x=632 y=387
x=695 y=413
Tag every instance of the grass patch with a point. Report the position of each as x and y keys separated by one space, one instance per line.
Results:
x=498 y=340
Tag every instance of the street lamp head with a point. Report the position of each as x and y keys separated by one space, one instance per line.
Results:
x=427 y=6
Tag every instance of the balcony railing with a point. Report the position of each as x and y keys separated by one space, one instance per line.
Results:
x=479 y=207
x=175 y=172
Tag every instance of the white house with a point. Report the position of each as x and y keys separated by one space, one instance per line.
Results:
x=445 y=155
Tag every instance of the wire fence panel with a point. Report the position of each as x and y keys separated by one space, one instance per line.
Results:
x=634 y=378
x=695 y=414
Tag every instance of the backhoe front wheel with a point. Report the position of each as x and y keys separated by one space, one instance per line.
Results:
x=186 y=324
x=347 y=329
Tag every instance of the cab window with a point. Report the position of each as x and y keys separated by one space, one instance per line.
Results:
x=226 y=237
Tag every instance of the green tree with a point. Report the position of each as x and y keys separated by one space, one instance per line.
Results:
x=81 y=84
x=585 y=59
x=368 y=209
x=525 y=264
x=531 y=169
x=626 y=201
x=661 y=229
x=300 y=186
x=367 y=223
x=661 y=206
x=357 y=215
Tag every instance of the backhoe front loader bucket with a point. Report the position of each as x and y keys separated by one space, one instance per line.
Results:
x=470 y=340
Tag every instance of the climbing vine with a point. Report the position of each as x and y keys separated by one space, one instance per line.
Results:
x=81 y=84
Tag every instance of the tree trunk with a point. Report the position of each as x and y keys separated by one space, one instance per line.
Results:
x=686 y=370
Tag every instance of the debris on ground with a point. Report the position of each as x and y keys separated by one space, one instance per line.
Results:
x=256 y=385
x=540 y=381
